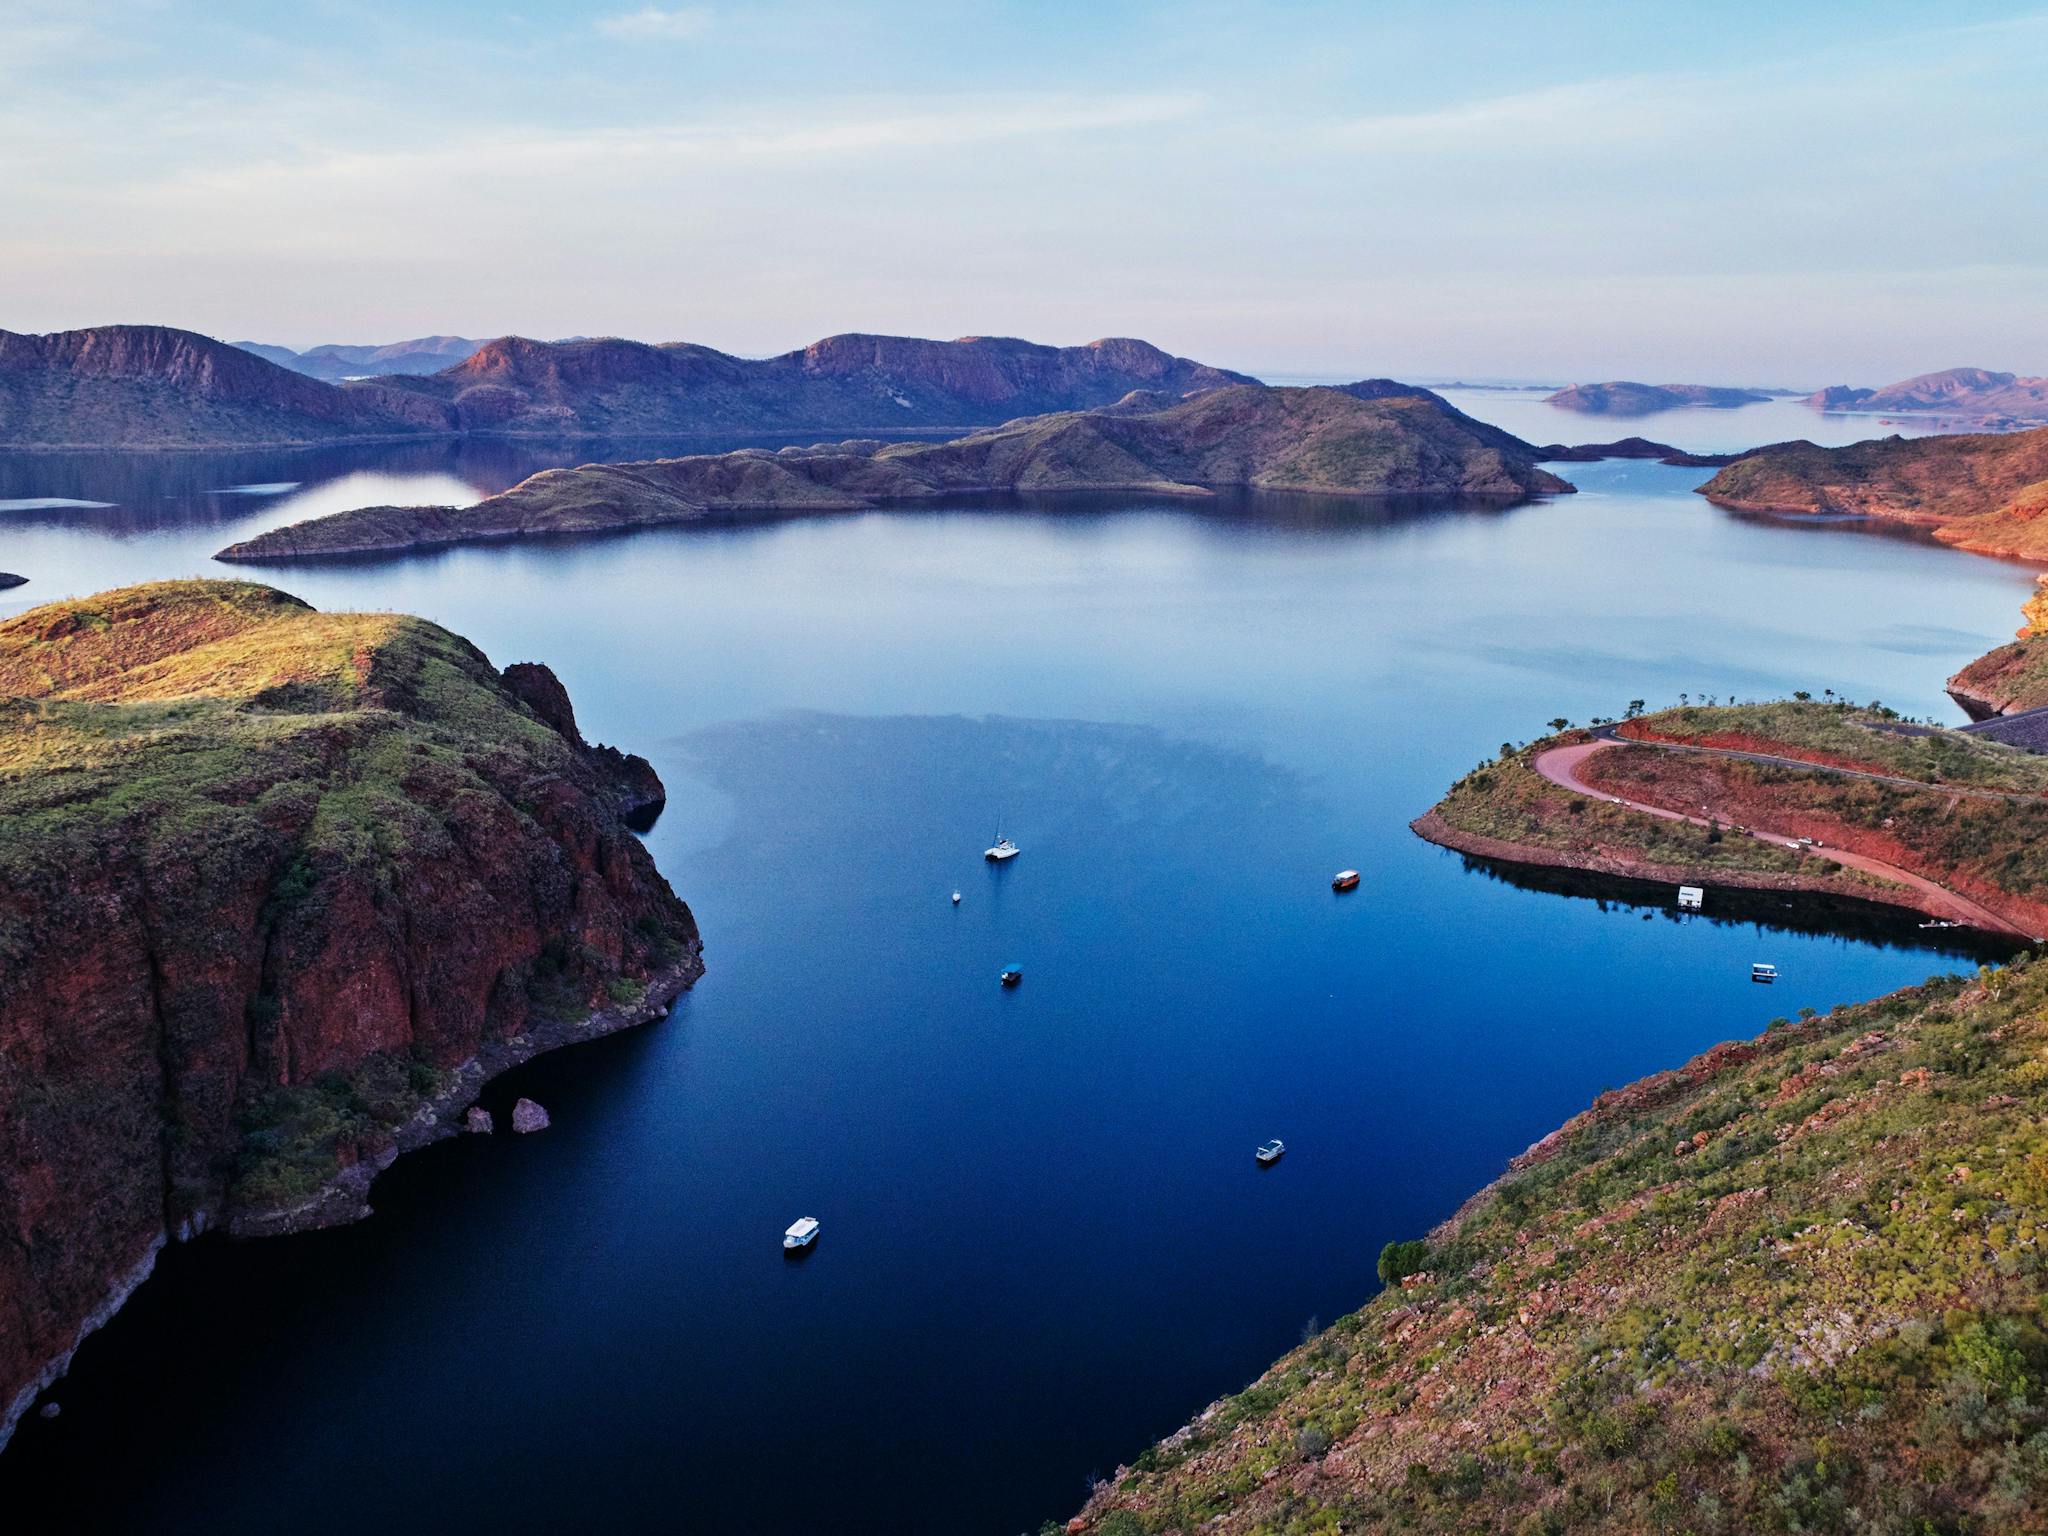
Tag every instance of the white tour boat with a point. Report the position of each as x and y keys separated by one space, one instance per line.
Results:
x=801 y=1234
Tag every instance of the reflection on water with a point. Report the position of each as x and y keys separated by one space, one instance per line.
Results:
x=1844 y=918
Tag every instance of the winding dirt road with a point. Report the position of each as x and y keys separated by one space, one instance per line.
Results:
x=1561 y=766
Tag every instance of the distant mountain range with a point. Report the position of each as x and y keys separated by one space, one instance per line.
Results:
x=126 y=386
x=423 y=354
x=1977 y=395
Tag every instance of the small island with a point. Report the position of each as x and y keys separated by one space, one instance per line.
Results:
x=9 y=579
x=1326 y=441
x=279 y=890
x=1626 y=397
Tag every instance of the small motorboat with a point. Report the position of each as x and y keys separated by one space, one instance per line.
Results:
x=1012 y=974
x=1003 y=849
x=956 y=898
x=1344 y=880
x=1762 y=972
x=801 y=1234
x=1270 y=1152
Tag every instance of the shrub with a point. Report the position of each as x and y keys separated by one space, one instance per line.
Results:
x=1400 y=1260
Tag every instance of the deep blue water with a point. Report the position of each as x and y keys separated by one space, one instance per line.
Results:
x=1045 y=1241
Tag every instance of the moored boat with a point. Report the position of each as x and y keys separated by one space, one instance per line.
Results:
x=801 y=1234
x=1012 y=974
x=1344 y=880
x=1763 y=972
x=1002 y=849
x=1271 y=1152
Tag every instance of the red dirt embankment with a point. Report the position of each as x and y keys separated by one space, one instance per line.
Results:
x=1720 y=789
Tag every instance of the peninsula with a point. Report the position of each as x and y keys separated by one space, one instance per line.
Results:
x=1792 y=1279
x=1327 y=441
x=279 y=890
x=1979 y=395
x=1984 y=492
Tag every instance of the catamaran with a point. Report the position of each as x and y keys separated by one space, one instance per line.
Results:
x=1003 y=849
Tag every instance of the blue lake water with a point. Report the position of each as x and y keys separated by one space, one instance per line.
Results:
x=1045 y=1240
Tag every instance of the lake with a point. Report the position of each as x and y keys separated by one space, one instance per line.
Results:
x=1045 y=1241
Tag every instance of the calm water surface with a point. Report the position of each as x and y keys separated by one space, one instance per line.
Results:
x=1045 y=1241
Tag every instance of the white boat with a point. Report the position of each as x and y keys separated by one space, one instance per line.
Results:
x=1271 y=1152
x=956 y=898
x=801 y=1234
x=1003 y=849
x=1762 y=972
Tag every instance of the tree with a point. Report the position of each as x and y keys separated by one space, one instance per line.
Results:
x=1801 y=695
x=1560 y=724
x=1400 y=1260
x=1636 y=707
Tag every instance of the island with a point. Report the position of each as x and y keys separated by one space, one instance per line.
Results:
x=1984 y=492
x=1625 y=397
x=9 y=579
x=1321 y=440
x=279 y=891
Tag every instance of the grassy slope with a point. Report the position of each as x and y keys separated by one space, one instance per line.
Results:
x=1796 y=1285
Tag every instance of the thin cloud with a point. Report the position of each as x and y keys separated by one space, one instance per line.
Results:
x=652 y=24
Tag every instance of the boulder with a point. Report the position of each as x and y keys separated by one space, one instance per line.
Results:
x=478 y=1121
x=528 y=1116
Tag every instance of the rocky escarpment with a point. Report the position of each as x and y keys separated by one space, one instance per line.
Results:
x=278 y=890
x=1984 y=492
x=151 y=386
x=1317 y=440
x=1625 y=397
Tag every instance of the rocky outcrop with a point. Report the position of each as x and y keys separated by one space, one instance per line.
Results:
x=1625 y=397
x=528 y=1117
x=1984 y=492
x=1324 y=441
x=9 y=579
x=278 y=891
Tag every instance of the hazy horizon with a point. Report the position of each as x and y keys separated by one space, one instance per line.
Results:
x=1846 y=194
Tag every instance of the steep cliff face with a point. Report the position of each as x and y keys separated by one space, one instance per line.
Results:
x=278 y=889
x=153 y=386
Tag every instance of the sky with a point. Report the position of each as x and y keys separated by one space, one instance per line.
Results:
x=1712 y=191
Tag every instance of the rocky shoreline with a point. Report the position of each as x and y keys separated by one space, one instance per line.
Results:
x=344 y=1198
